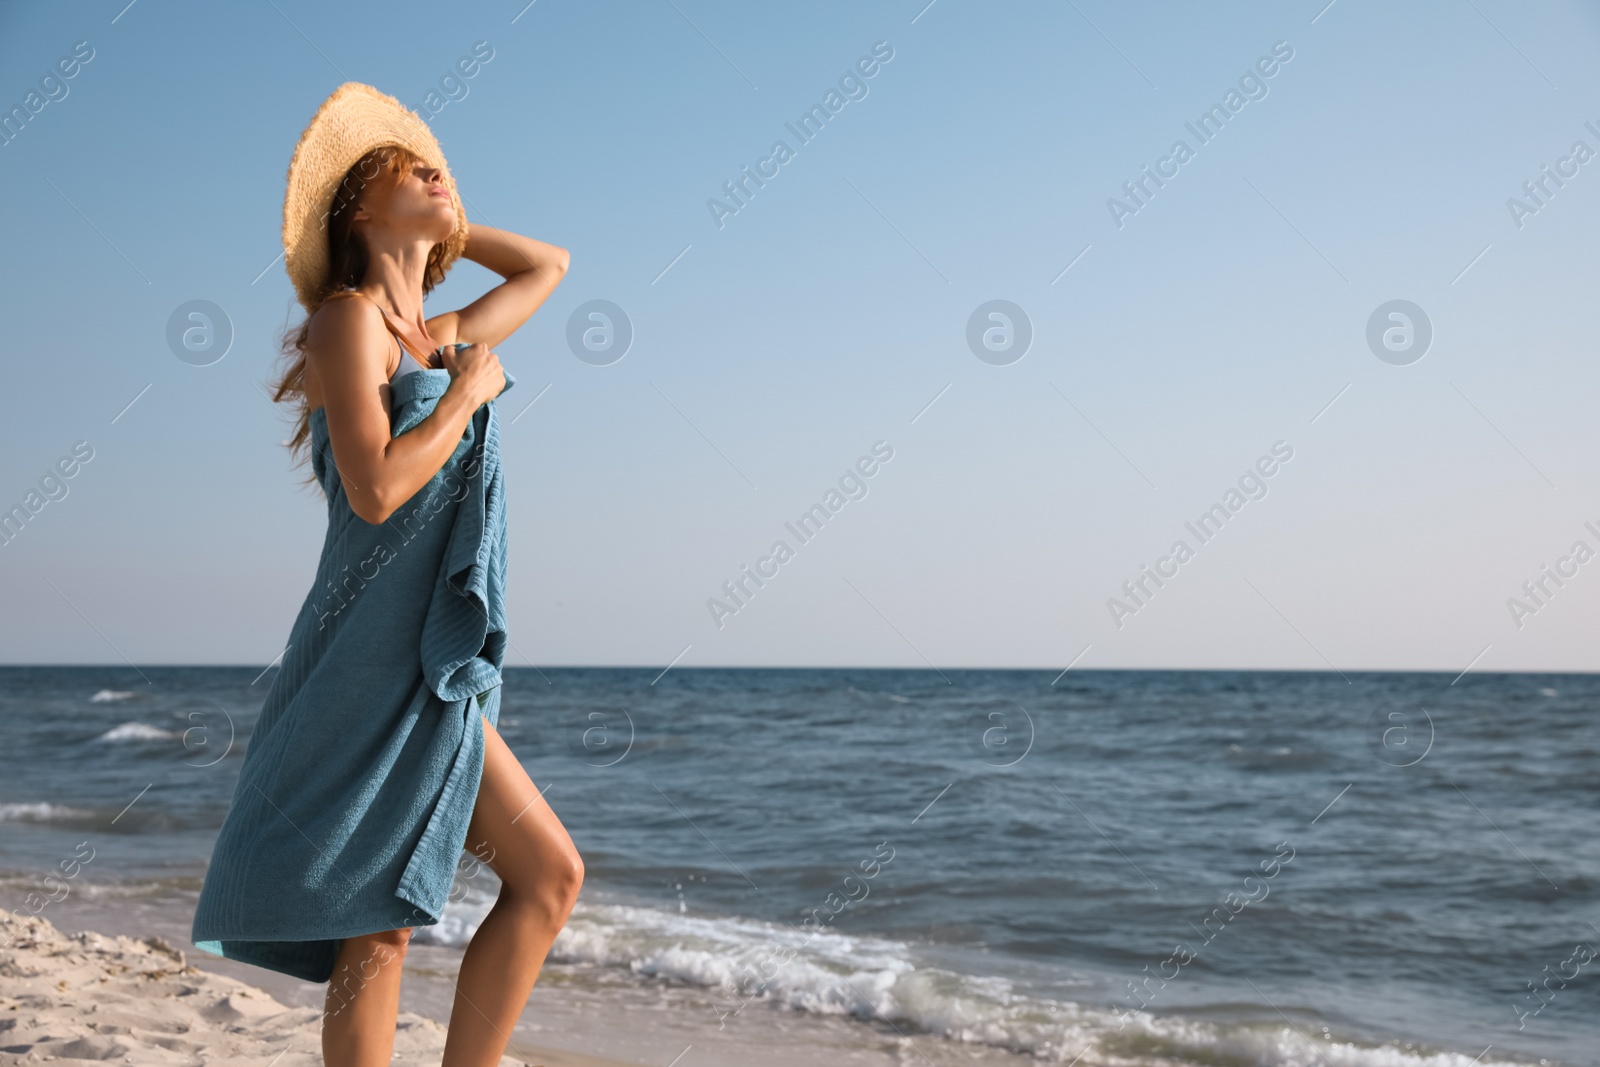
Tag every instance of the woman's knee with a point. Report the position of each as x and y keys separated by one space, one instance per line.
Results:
x=396 y=939
x=376 y=950
x=552 y=889
x=571 y=881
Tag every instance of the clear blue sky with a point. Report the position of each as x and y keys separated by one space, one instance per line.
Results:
x=1222 y=317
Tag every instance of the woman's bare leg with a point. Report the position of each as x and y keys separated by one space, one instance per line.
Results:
x=540 y=871
x=363 y=1000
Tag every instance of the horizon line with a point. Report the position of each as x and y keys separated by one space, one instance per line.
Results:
x=856 y=667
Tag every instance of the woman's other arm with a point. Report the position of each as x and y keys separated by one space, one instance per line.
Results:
x=532 y=269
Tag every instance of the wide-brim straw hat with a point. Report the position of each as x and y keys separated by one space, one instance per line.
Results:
x=352 y=122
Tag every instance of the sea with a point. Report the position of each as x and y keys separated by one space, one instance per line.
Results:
x=1154 y=868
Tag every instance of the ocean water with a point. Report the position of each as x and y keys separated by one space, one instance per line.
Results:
x=1102 y=867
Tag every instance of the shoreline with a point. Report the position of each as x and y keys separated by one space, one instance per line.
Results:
x=144 y=1001
x=153 y=1002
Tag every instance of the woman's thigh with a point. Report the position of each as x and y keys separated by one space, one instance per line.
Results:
x=513 y=830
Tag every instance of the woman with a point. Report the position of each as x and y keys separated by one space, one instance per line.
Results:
x=376 y=759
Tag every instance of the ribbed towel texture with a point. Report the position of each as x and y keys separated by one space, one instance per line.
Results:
x=362 y=771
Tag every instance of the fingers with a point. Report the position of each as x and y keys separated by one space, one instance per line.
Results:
x=477 y=368
x=468 y=356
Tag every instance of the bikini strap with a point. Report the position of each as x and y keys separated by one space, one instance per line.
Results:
x=401 y=341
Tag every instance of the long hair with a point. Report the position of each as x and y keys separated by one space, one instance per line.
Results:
x=347 y=266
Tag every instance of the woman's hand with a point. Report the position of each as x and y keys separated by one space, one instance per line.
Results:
x=475 y=370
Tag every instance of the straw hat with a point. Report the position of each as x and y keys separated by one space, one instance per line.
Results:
x=354 y=120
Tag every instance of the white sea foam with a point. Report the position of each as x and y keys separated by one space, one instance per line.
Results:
x=136 y=731
x=833 y=973
x=41 y=812
x=107 y=696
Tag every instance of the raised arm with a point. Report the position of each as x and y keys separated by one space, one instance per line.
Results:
x=347 y=350
x=532 y=269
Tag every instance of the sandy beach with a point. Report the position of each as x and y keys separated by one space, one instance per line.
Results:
x=89 y=996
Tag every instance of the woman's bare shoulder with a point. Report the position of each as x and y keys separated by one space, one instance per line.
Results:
x=346 y=326
x=347 y=351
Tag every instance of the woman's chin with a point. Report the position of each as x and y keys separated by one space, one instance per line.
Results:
x=445 y=225
x=436 y=231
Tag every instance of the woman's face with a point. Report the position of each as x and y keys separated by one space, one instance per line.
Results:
x=416 y=202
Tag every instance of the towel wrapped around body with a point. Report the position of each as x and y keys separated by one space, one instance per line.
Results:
x=362 y=770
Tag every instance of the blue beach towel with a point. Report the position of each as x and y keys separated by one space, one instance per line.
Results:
x=354 y=796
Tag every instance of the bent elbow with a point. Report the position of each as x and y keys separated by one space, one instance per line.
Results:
x=371 y=508
x=563 y=260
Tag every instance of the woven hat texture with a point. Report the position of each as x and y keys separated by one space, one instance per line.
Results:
x=355 y=119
